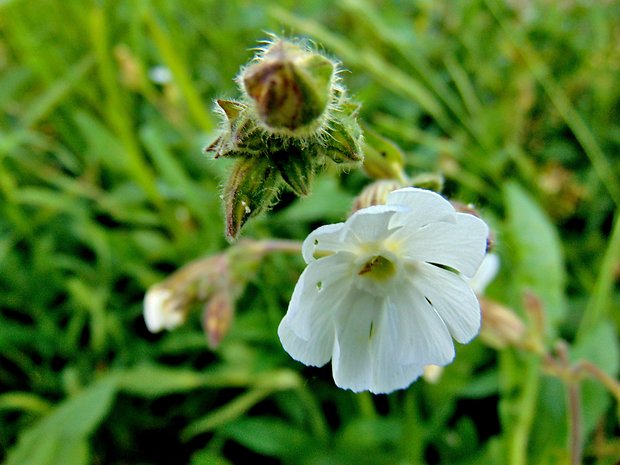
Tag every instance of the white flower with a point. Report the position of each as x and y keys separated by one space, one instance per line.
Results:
x=160 y=310
x=384 y=292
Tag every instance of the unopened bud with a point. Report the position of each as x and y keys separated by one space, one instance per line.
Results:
x=251 y=188
x=290 y=85
x=343 y=139
x=374 y=194
x=501 y=327
x=383 y=159
x=217 y=317
x=430 y=181
x=163 y=310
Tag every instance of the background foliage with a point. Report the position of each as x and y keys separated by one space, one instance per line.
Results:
x=104 y=191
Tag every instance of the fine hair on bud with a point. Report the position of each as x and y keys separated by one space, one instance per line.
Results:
x=291 y=88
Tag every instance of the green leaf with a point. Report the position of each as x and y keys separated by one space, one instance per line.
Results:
x=599 y=346
x=268 y=436
x=208 y=457
x=60 y=437
x=539 y=264
x=154 y=381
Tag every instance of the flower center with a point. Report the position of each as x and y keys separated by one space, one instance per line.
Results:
x=378 y=268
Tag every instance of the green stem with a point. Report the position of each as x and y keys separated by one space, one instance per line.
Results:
x=413 y=430
x=227 y=413
x=316 y=417
x=574 y=421
x=526 y=407
x=366 y=405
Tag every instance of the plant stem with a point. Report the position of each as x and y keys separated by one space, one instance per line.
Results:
x=316 y=417
x=574 y=420
x=517 y=446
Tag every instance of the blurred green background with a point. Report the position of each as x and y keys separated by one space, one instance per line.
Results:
x=104 y=190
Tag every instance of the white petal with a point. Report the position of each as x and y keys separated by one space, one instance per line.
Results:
x=382 y=345
x=420 y=335
x=388 y=372
x=320 y=288
x=157 y=315
x=452 y=298
x=356 y=320
x=460 y=245
x=318 y=348
x=485 y=274
x=323 y=239
x=423 y=207
x=369 y=224
x=307 y=329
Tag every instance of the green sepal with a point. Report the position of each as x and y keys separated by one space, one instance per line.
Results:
x=240 y=135
x=343 y=141
x=296 y=167
x=251 y=188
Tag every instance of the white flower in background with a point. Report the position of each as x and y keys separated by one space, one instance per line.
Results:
x=384 y=292
x=161 y=310
x=160 y=75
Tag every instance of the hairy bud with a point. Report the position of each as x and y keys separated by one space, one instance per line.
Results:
x=251 y=188
x=293 y=119
x=375 y=194
x=290 y=86
x=383 y=159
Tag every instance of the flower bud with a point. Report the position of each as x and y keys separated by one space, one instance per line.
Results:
x=374 y=194
x=290 y=85
x=251 y=188
x=501 y=327
x=343 y=141
x=383 y=159
x=217 y=317
x=163 y=310
x=430 y=181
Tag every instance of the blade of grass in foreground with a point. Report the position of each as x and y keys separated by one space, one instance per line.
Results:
x=116 y=110
x=196 y=106
x=599 y=303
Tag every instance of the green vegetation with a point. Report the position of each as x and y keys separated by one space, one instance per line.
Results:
x=105 y=109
